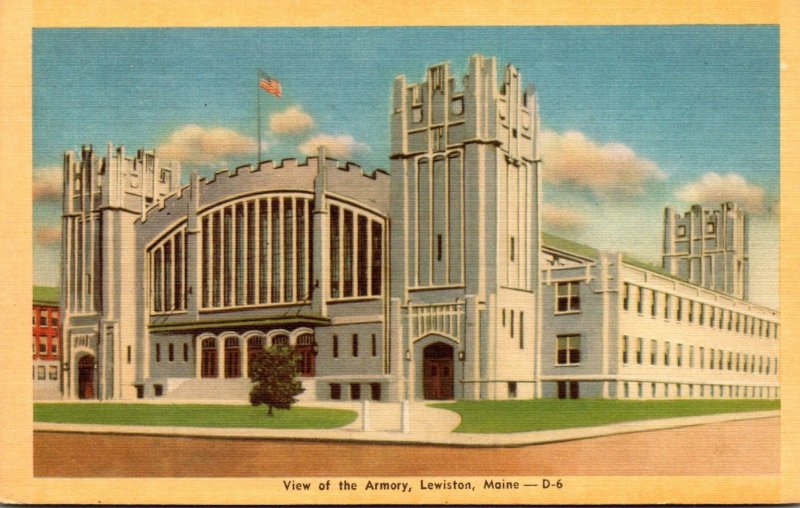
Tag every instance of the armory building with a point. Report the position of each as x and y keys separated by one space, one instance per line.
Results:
x=434 y=281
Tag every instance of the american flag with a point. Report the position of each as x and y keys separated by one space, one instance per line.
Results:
x=270 y=85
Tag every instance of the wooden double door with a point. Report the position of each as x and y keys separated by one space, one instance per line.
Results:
x=86 y=377
x=438 y=375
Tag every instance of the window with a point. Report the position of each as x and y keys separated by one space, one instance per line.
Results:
x=666 y=354
x=159 y=390
x=626 y=295
x=681 y=231
x=511 y=248
x=43 y=320
x=208 y=363
x=335 y=346
x=712 y=319
x=363 y=238
x=521 y=330
x=439 y=248
x=568 y=297
x=691 y=357
x=129 y=354
x=702 y=314
x=53 y=371
x=171 y=352
x=374 y=345
x=185 y=352
x=232 y=358
x=711 y=228
x=355 y=391
x=667 y=300
x=377 y=258
x=457 y=106
x=375 y=391
x=336 y=391
x=42 y=345
x=40 y=372
x=53 y=348
x=158 y=352
x=54 y=321
x=625 y=349
x=504 y=317
x=639 y=347
x=568 y=388
x=680 y=308
x=512 y=324
x=691 y=311
x=355 y=345
x=568 y=350
x=653 y=352
x=512 y=389
x=654 y=303
x=639 y=299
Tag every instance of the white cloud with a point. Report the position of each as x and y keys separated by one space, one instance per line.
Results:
x=292 y=120
x=194 y=144
x=339 y=147
x=47 y=235
x=47 y=184
x=609 y=169
x=563 y=218
x=714 y=188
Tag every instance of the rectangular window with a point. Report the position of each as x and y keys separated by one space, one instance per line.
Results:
x=54 y=348
x=288 y=250
x=185 y=352
x=239 y=257
x=639 y=350
x=355 y=345
x=168 y=284
x=702 y=314
x=639 y=299
x=53 y=372
x=654 y=303
x=568 y=350
x=374 y=345
x=43 y=345
x=512 y=389
x=438 y=247
x=625 y=349
x=129 y=354
x=216 y=248
x=377 y=258
x=355 y=391
x=40 y=372
x=691 y=311
x=252 y=248
x=512 y=324
x=680 y=308
x=363 y=238
x=347 y=253
x=679 y=356
x=227 y=256
x=171 y=352
x=626 y=290
x=522 y=330
x=158 y=352
x=335 y=346
x=264 y=251
x=691 y=357
x=336 y=391
x=568 y=297
x=336 y=239
x=511 y=248
x=667 y=301
x=157 y=280
x=54 y=321
x=375 y=391
x=158 y=390
x=275 y=226
x=43 y=320
x=653 y=352
x=713 y=317
x=666 y=354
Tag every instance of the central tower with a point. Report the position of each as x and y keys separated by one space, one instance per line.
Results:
x=465 y=232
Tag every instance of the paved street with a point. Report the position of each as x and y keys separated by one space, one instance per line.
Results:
x=746 y=447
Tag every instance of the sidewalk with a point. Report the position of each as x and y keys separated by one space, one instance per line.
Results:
x=428 y=425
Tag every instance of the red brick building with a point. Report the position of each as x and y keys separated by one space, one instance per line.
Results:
x=46 y=343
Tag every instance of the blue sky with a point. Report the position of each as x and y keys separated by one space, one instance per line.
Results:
x=636 y=118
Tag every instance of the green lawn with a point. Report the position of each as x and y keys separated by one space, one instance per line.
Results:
x=193 y=415
x=545 y=414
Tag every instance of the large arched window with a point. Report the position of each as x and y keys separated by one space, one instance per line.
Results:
x=306 y=351
x=233 y=358
x=254 y=344
x=208 y=365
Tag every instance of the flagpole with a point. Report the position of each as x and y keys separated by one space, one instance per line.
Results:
x=258 y=113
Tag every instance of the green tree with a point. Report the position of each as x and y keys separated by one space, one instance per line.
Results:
x=273 y=371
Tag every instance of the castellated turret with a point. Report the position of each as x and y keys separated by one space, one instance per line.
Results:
x=709 y=248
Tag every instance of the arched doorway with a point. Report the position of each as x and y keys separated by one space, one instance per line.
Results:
x=437 y=364
x=86 y=377
x=208 y=358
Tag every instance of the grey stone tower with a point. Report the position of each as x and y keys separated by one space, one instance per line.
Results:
x=465 y=231
x=709 y=248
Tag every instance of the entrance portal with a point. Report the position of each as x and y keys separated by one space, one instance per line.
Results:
x=86 y=377
x=437 y=367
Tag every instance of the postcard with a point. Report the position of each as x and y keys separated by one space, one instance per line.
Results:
x=309 y=254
